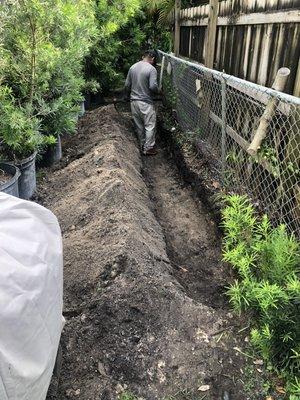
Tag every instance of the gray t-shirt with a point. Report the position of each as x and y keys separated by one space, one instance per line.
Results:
x=141 y=82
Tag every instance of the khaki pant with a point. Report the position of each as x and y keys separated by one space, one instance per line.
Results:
x=144 y=117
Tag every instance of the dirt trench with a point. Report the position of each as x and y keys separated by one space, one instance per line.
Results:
x=144 y=304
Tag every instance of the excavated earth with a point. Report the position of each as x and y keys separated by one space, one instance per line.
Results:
x=143 y=281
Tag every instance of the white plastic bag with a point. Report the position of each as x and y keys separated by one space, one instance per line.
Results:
x=31 y=290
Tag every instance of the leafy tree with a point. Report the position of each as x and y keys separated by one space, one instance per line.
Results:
x=73 y=33
x=27 y=57
x=111 y=16
x=140 y=33
x=43 y=45
x=165 y=8
x=126 y=29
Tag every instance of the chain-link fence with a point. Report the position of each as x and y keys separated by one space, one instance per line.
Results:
x=229 y=115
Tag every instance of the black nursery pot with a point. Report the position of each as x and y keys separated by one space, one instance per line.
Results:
x=12 y=185
x=52 y=154
x=82 y=109
x=27 y=180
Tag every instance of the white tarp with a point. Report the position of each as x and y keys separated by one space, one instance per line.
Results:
x=31 y=289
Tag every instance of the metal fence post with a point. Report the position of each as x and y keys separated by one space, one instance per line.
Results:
x=224 y=124
x=161 y=72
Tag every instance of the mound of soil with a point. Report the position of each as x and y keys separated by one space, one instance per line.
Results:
x=143 y=278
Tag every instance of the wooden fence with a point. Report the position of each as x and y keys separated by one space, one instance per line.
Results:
x=250 y=39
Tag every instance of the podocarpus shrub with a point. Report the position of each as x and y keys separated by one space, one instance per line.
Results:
x=26 y=61
x=43 y=45
x=72 y=33
x=19 y=131
x=267 y=261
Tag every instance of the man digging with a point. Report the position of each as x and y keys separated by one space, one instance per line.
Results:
x=141 y=84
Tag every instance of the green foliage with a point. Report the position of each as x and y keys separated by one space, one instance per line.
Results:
x=267 y=261
x=72 y=35
x=19 y=132
x=294 y=388
x=140 y=33
x=127 y=28
x=164 y=9
x=127 y=396
x=111 y=17
x=43 y=46
x=171 y=96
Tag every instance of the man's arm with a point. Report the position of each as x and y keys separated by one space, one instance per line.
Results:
x=128 y=83
x=153 y=85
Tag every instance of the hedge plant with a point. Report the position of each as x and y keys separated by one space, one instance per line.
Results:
x=26 y=57
x=43 y=46
x=126 y=29
x=73 y=33
x=112 y=16
x=267 y=261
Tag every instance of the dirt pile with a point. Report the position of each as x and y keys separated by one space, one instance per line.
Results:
x=140 y=317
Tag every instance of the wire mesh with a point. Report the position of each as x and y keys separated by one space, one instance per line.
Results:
x=225 y=112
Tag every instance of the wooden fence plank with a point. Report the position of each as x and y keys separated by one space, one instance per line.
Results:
x=276 y=17
x=211 y=33
x=297 y=83
x=177 y=27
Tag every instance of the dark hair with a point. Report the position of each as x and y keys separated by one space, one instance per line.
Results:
x=150 y=53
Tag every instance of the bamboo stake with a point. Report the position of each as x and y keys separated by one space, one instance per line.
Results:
x=269 y=112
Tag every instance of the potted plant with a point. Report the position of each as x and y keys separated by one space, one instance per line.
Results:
x=72 y=35
x=19 y=140
x=42 y=46
x=27 y=59
x=91 y=87
x=61 y=120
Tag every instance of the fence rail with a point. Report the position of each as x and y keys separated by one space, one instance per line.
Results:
x=226 y=112
x=245 y=38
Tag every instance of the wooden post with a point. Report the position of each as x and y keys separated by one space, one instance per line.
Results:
x=211 y=33
x=297 y=82
x=177 y=28
x=269 y=112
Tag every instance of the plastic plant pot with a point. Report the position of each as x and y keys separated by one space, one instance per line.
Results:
x=11 y=186
x=52 y=154
x=82 y=109
x=27 y=180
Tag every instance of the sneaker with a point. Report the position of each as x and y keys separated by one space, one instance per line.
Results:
x=150 y=152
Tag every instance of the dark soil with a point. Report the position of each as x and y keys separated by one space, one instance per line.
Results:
x=4 y=177
x=144 y=303
x=190 y=233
